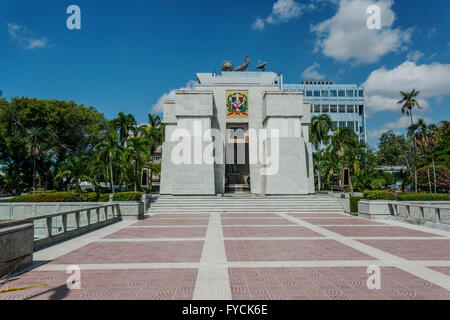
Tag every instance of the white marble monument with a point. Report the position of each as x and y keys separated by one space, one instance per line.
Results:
x=237 y=132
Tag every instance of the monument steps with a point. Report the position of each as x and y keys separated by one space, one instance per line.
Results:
x=245 y=204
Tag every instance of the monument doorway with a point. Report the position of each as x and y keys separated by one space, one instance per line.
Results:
x=237 y=168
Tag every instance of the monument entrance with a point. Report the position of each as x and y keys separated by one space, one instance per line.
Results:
x=237 y=169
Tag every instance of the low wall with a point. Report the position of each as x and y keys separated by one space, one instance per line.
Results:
x=18 y=211
x=16 y=248
x=417 y=212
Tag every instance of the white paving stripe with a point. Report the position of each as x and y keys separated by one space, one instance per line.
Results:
x=63 y=248
x=240 y=264
x=412 y=267
x=213 y=281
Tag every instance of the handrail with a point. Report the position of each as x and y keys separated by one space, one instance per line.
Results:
x=435 y=208
x=64 y=215
x=419 y=205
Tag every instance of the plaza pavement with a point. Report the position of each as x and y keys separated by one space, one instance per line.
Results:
x=245 y=256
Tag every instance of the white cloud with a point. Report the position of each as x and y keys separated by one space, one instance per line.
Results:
x=395 y=126
x=282 y=11
x=312 y=73
x=415 y=55
x=346 y=37
x=383 y=86
x=24 y=38
x=158 y=106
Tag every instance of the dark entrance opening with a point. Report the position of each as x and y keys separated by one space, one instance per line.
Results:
x=237 y=168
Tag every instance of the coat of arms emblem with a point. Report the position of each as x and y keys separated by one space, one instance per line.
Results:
x=237 y=104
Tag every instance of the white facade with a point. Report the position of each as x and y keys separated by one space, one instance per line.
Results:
x=205 y=107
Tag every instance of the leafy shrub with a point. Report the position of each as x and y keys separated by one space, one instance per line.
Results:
x=104 y=197
x=379 y=195
x=442 y=177
x=76 y=197
x=48 y=197
x=127 y=196
x=354 y=203
x=423 y=197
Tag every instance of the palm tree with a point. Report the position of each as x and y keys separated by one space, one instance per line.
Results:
x=320 y=127
x=33 y=139
x=408 y=103
x=421 y=136
x=137 y=151
x=73 y=170
x=108 y=151
x=124 y=123
x=346 y=145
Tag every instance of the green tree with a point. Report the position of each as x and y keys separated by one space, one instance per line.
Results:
x=124 y=123
x=408 y=103
x=137 y=152
x=421 y=136
x=346 y=146
x=67 y=130
x=108 y=151
x=319 y=134
x=34 y=139
x=74 y=170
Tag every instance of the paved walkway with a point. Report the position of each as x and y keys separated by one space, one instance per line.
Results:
x=245 y=256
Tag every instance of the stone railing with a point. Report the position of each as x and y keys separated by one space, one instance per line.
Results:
x=56 y=227
x=421 y=212
x=433 y=214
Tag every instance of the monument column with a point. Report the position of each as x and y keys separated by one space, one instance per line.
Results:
x=288 y=155
x=191 y=171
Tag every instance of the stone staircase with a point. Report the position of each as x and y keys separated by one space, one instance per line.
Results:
x=245 y=204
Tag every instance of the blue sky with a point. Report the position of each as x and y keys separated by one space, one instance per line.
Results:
x=129 y=54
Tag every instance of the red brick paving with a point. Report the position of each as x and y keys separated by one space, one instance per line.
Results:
x=245 y=283
x=328 y=283
x=249 y=215
x=245 y=232
x=146 y=233
x=160 y=284
x=134 y=252
x=290 y=250
x=262 y=221
x=172 y=222
x=378 y=231
x=341 y=221
x=318 y=215
x=182 y=215
x=444 y=270
x=414 y=249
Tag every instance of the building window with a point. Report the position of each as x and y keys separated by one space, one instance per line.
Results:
x=324 y=93
x=156 y=158
x=333 y=109
x=309 y=93
x=316 y=108
x=350 y=109
x=333 y=93
x=341 y=109
x=342 y=124
x=341 y=93
x=357 y=126
x=317 y=93
x=312 y=108
x=361 y=110
x=351 y=124
x=325 y=108
x=334 y=125
x=349 y=93
x=361 y=93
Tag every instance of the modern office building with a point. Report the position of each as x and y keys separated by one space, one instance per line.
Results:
x=344 y=103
